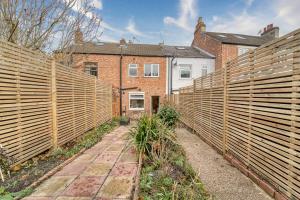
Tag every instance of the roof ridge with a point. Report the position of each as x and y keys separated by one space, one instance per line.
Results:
x=234 y=34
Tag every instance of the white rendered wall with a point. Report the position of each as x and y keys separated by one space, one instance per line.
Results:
x=197 y=65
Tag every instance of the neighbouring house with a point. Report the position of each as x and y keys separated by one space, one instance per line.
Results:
x=185 y=63
x=226 y=46
x=140 y=72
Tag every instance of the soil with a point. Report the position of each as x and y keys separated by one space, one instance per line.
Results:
x=31 y=171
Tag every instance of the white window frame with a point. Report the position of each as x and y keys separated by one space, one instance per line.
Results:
x=243 y=50
x=180 y=69
x=133 y=66
x=88 y=66
x=151 y=70
x=136 y=93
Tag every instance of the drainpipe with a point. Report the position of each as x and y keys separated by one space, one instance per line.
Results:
x=171 y=75
x=121 y=91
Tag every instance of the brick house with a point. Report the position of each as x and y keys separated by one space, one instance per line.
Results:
x=142 y=71
x=226 y=46
x=139 y=69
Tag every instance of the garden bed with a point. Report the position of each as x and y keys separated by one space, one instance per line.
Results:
x=165 y=172
x=23 y=175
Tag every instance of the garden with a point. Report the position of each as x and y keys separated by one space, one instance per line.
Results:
x=166 y=173
x=22 y=178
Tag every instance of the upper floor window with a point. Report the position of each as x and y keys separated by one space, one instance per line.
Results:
x=91 y=68
x=151 y=70
x=242 y=50
x=132 y=70
x=185 y=71
x=204 y=71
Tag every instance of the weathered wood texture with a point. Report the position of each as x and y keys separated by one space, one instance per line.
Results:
x=44 y=104
x=251 y=109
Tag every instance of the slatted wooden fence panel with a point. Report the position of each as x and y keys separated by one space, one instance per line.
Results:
x=43 y=103
x=251 y=109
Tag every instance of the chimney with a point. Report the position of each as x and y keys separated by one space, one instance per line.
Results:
x=78 y=36
x=200 y=25
x=122 y=42
x=270 y=32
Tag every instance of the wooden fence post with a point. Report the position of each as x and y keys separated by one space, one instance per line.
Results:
x=225 y=108
x=292 y=139
x=251 y=61
x=194 y=108
x=95 y=104
x=53 y=102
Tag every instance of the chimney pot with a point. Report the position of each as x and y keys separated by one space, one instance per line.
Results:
x=270 y=32
x=122 y=42
x=200 y=25
x=200 y=19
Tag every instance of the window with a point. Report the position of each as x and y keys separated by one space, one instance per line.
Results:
x=136 y=100
x=132 y=70
x=185 y=71
x=151 y=70
x=242 y=51
x=91 y=69
x=204 y=71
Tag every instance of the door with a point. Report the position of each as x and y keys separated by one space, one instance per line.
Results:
x=154 y=104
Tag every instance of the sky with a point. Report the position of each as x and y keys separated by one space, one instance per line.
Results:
x=173 y=21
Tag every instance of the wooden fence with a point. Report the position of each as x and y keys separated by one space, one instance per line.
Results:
x=44 y=104
x=251 y=110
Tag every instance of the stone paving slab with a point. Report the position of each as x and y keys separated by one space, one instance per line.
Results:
x=106 y=171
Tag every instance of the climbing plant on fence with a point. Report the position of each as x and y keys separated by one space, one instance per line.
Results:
x=44 y=104
x=251 y=110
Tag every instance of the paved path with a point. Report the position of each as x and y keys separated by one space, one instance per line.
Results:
x=104 y=172
x=222 y=180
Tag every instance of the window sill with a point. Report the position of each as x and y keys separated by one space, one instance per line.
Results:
x=136 y=109
x=185 y=79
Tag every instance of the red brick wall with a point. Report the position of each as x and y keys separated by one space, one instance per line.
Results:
x=109 y=71
x=210 y=45
x=108 y=66
x=229 y=52
x=223 y=52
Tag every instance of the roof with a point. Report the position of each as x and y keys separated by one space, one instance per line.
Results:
x=115 y=49
x=185 y=52
x=238 y=39
x=106 y=48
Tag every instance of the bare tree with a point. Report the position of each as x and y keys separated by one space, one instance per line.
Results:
x=47 y=25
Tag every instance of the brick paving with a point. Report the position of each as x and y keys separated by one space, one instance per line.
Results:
x=105 y=172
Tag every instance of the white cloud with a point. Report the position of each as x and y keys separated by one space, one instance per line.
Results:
x=107 y=26
x=282 y=13
x=97 y=4
x=78 y=6
x=131 y=28
x=243 y=23
x=186 y=14
x=287 y=11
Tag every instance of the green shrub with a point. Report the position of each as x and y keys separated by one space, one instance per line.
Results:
x=168 y=115
x=150 y=134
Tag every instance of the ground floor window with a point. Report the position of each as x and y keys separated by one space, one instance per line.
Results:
x=136 y=101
